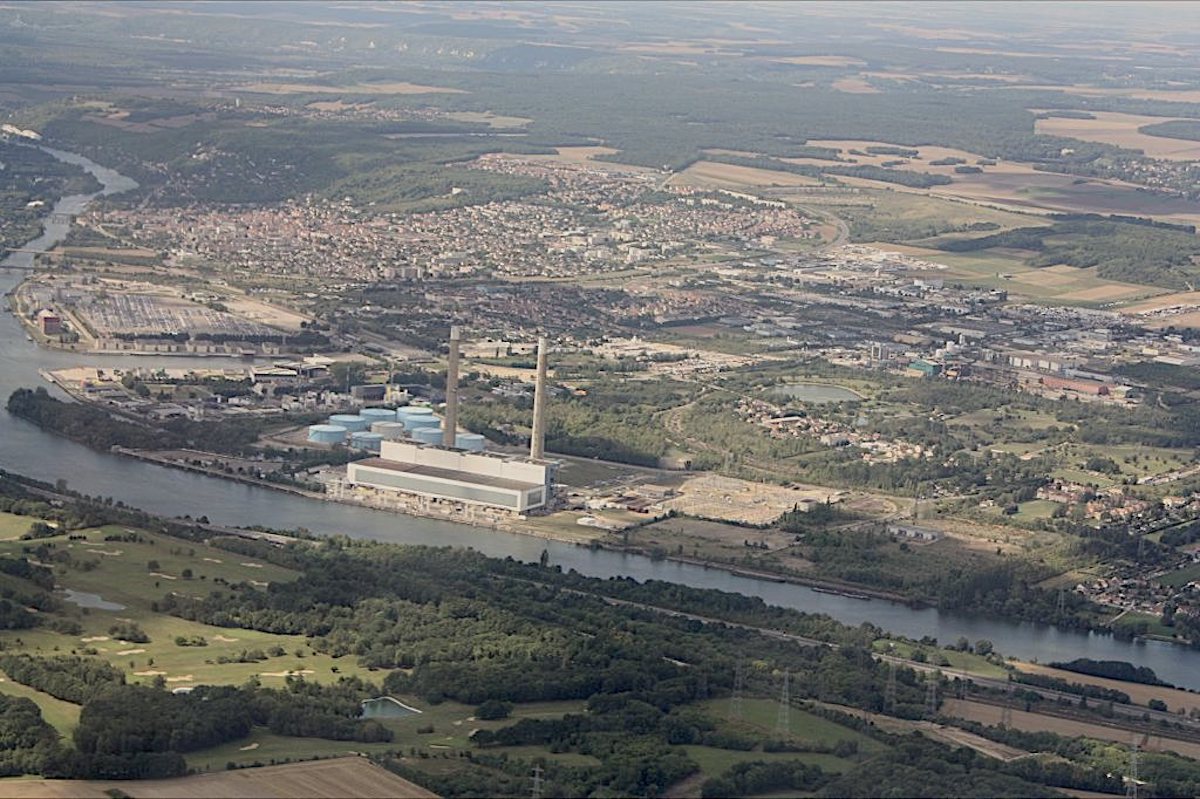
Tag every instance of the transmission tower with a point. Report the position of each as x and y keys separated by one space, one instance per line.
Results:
x=1132 y=790
x=931 y=694
x=1062 y=601
x=783 y=721
x=1006 y=711
x=739 y=685
x=702 y=686
x=537 y=782
x=889 y=693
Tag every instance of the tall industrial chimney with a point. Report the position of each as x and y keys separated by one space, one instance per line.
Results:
x=450 y=423
x=537 y=441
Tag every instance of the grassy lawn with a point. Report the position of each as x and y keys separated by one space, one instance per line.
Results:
x=14 y=526
x=63 y=716
x=1154 y=625
x=964 y=661
x=452 y=725
x=121 y=574
x=1182 y=577
x=1036 y=509
x=759 y=716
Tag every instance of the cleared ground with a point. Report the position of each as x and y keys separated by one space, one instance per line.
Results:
x=714 y=497
x=1036 y=722
x=343 y=777
x=1140 y=694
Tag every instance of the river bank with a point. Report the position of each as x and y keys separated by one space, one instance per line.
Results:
x=25 y=449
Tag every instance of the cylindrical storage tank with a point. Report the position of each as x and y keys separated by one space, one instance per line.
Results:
x=327 y=434
x=391 y=431
x=378 y=414
x=472 y=442
x=351 y=421
x=367 y=441
x=422 y=422
x=428 y=435
x=413 y=412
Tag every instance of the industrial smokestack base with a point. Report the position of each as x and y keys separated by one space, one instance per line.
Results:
x=450 y=423
x=537 y=441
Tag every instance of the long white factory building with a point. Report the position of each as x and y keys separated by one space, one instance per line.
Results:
x=499 y=481
x=425 y=478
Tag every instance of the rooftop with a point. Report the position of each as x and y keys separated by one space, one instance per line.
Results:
x=448 y=474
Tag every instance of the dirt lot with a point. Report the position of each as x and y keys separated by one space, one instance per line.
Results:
x=261 y=312
x=1122 y=130
x=713 y=497
x=342 y=777
x=1036 y=722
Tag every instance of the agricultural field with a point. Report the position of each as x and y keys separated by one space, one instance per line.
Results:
x=349 y=777
x=1036 y=722
x=1002 y=268
x=732 y=176
x=1122 y=130
x=381 y=88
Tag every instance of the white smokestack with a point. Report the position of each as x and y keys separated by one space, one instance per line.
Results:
x=450 y=423
x=537 y=441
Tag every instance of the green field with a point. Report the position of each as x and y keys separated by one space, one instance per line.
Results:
x=63 y=716
x=1180 y=578
x=120 y=573
x=452 y=725
x=963 y=661
x=14 y=526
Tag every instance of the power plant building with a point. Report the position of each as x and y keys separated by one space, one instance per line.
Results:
x=441 y=471
x=518 y=485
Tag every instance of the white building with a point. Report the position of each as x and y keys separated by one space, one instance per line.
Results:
x=515 y=484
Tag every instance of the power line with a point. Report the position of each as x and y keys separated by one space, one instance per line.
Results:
x=931 y=694
x=783 y=721
x=739 y=685
x=537 y=782
x=889 y=693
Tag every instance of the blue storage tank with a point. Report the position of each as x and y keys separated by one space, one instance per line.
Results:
x=422 y=422
x=428 y=435
x=351 y=421
x=472 y=442
x=327 y=434
x=367 y=441
x=378 y=414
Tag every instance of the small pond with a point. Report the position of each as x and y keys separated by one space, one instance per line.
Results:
x=817 y=393
x=94 y=601
x=386 y=707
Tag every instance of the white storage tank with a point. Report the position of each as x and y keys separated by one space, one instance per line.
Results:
x=391 y=431
x=414 y=412
x=368 y=441
x=327 y=434
x=378 y=414
x=428 y=435
x=351 y=421
x=472 y=442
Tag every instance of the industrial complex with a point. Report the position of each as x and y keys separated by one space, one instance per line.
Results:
x=428 y=467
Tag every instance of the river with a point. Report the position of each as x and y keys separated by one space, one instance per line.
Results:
x=27 y=450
